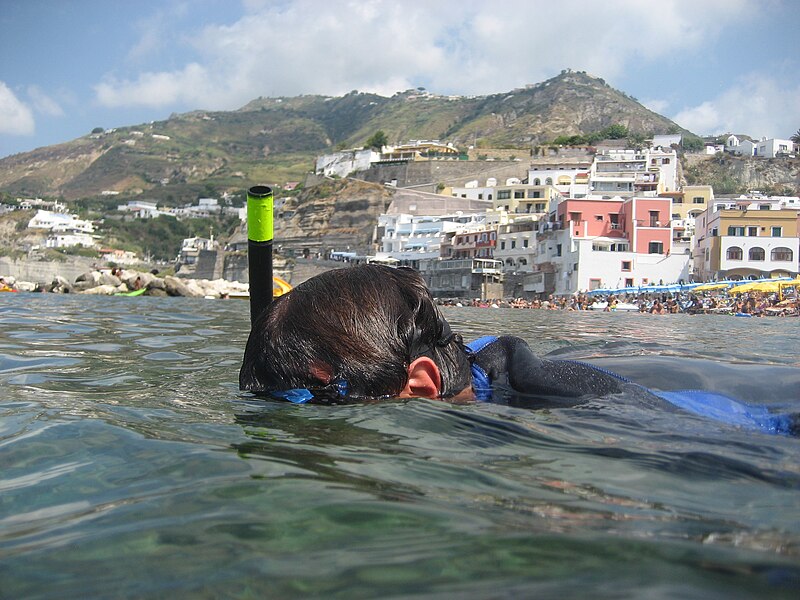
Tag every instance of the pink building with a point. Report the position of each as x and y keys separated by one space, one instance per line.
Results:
x=643 y=222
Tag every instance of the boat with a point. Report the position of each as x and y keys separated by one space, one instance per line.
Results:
x=133 y=293
x=279 y=288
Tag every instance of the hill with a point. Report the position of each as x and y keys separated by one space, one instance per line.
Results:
x=274 y=140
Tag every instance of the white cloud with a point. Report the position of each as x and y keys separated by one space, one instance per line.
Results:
x=656 y=105
x=450 y=46
x=43 y=103
x=15 y=117
x=756 y=106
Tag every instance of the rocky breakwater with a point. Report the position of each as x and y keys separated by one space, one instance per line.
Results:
x=125 y=281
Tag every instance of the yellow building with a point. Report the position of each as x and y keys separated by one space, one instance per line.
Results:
x=741 y=242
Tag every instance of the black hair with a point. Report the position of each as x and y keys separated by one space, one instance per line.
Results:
x=363 y=325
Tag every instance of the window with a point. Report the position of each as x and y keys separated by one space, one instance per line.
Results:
x=654 y=221
x=480 y=196
x=626 y=265
x=735 y=231
x=777 y=232
x=558 y=249
x=503 y=194
x=513 y=244
x=756 y=253
x=534 y=194
x=734 y=253
x=540 y=206
x=752 y=231
x=537 y=181
x=781 y=254
x=655 y=248
x=548 y=181
x=676 y=216
x=522 y=262
x=598 y=218
x=595 y=284
x=714 y=231
x=665 y=161
x=698 y=200
x=575 y=216
x=614 y=219
x=525 y=243
x=502 y=245
x=519 y=193
x=628 y=282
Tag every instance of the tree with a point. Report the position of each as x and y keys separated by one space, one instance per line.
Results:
x=378 y=140
x=796 y=137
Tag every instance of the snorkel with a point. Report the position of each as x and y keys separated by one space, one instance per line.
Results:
x=259 y=249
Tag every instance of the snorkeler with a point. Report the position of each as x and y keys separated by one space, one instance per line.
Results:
x=373 y=331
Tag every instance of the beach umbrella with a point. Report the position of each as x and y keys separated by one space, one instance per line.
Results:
x=715 y=285
x=756 y=286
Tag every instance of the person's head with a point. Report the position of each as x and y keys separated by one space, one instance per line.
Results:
x=371 y=330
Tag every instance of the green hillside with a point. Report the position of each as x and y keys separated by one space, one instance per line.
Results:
x=274 y=140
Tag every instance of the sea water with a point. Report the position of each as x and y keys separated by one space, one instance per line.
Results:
x=131 y=466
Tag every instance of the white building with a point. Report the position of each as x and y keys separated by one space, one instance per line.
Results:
x=570 y=177
x=60 y=222
x=144 y=210
x=412 y=238
x=346 y=162
x=626 y=172
x=771 y=148
x=69 y=240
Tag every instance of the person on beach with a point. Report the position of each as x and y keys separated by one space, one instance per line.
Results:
x=374 y=332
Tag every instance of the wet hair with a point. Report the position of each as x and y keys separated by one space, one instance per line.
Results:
x=361 y=325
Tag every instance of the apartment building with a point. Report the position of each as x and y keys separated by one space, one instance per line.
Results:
x=591 y=243
x=746 y=237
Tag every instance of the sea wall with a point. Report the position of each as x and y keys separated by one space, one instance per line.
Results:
x=38 y=271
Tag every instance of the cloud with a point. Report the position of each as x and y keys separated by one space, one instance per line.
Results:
x=757 y=106
x=450 y=46
x=15 y=117
x=43 y=103
x=656 y=105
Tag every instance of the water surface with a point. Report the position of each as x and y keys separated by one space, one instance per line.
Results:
x=133 y=467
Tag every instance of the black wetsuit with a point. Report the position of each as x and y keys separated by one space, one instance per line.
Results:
x=507 y=362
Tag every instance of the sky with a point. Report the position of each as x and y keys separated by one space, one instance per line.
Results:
x=68 y=66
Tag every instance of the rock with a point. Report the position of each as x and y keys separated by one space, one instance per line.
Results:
x=61 y=285
x=100 y=290
x=108 y=279
x=92 y=277
x=176 y=287
x=155 y=292
x=156 y=283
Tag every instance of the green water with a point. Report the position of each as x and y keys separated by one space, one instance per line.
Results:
x=133 y=467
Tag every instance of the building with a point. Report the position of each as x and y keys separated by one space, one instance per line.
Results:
x=628 y=173
x=747 y=238
x=69 y=240
x=772 y=148
x=570 y=176
x=591 y=243
x=463 y=278
x=63 y=223
x=410 y=239
x=142 y=209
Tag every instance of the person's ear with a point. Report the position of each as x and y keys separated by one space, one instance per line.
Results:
x=424 y=380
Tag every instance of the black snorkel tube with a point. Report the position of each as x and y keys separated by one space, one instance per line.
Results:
x=259 y=248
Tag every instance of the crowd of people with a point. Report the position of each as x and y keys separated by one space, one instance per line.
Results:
x=755 y=304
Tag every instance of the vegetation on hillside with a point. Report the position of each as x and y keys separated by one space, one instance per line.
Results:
x=275 y=140
x=161 y=238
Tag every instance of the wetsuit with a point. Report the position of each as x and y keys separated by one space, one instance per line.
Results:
x=508 y=362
